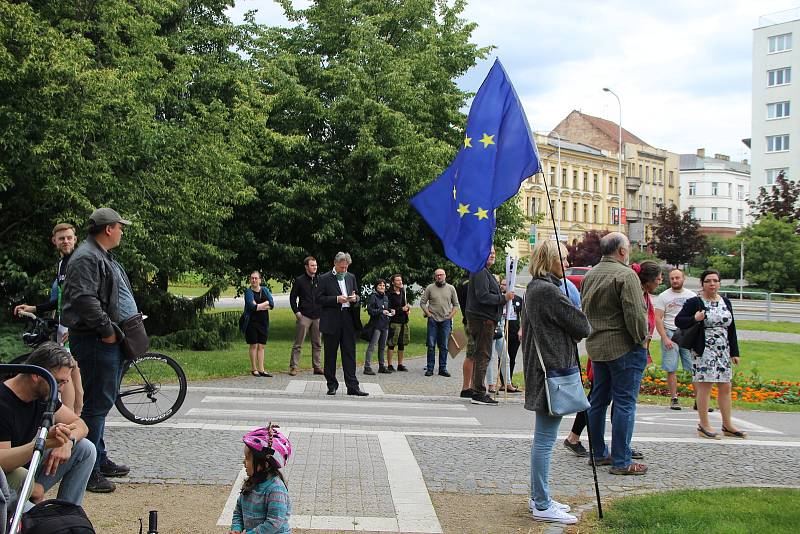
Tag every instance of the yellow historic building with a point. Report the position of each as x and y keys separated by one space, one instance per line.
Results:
x=584 y=191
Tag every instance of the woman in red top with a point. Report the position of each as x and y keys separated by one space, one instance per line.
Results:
x=650 y=276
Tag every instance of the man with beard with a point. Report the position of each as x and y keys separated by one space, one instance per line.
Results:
x=667 y=305
x=439 y=304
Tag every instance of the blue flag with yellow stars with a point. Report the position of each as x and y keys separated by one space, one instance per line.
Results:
x=497 y=154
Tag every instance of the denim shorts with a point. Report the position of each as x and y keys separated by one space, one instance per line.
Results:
x=669 y=357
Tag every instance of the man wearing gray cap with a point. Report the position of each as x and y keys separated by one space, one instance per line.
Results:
x=97 y=298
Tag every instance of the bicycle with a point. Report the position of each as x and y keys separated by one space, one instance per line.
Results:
x=153 y=386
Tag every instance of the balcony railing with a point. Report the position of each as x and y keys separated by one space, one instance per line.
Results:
x=633 y=183
x=632 y=215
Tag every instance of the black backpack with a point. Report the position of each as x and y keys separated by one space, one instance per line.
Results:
x=56 y=517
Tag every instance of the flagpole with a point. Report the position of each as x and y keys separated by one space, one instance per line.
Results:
x=586 y=414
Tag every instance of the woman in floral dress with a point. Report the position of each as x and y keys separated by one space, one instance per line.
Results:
x=714 y=352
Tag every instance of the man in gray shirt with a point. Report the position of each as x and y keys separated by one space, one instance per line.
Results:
x=97 y=298
x=439 y=304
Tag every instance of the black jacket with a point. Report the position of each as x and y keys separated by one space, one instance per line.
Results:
x=685 y=319
x=484 y=299
x=375 y=306
x=304 y=297
x=331 y=315
x=89 y=300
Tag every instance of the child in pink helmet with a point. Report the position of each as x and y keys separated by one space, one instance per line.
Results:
x=263 y=506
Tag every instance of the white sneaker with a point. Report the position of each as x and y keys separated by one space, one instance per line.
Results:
x=553 y=502
x=554 y=515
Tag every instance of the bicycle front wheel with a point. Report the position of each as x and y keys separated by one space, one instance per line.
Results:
x=152 y=390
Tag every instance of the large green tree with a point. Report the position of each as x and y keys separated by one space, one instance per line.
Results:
x=144 y=106
x=781 y=200
x=366 y=91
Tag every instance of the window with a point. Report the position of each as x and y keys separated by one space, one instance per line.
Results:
x=779 y=43
x=575 y=211
x=714 y=214
x=778 y=143
x=594 y=214
x=563 y=211
x=671 y=179
x=640 y=171
x=714 y=189
x=596 y=184
x=610 y=184
x=616 y=186
x=574 y=179
x=646 y=174
x=564 y=178
x=772 y=174
x=740 y=216
x=778 y=110
x=585 y=181
x=586 y=213
x=671 y=203
x=692 y=189
x=533 y=206
x=552 y=206
x=781 y=76
x=692 y=212
x=552 y=176
x=740 y=192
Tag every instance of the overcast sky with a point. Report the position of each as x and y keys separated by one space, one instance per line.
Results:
x=682 y=68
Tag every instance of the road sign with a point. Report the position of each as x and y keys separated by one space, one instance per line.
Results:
x=532 y=238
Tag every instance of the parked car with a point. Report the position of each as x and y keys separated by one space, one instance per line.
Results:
x=576 y=274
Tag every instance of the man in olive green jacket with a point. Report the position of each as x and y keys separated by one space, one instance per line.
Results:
x=614 y=304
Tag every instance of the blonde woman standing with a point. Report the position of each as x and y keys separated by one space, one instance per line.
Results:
x=557 y=326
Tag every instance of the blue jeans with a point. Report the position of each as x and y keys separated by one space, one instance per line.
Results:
x=101 y=372
x=617 y=380
x=544 y=437
x=438 y=334
x=73 y=474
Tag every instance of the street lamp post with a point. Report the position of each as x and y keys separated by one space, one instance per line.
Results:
x=558 y=190
x=619 y=156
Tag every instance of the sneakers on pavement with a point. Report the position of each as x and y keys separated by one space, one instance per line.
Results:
x=401 y=367
x=383 y=370
x=368 y=371
x=576 y=448
x=554 y=514
x=97 y=483
x=110 y=469
x=553 y=502
x=444 y=372
x=390 y=368
x=674 y=404
x=484 y=400
x=428 y=372
x=318 y=371
x=637 y=454
x=466 y=394
x=293 y=371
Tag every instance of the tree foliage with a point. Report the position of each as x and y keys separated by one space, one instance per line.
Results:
x=586 y=253
x=772 y=254
x=677 y=236
x=782 y=201
x=366 y=90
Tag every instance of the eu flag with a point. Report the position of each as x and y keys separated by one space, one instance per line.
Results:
x=497 y=154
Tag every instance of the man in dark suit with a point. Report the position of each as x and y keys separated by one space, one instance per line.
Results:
x=339 y=322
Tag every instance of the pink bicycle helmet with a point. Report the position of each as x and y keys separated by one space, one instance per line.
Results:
x=271 y=442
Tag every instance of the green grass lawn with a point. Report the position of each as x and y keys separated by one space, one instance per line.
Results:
x=723 y=511
x=235 y=361
x=764 y=326
x=196 y=289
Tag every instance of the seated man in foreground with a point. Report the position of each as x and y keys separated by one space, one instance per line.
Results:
x=68 y=457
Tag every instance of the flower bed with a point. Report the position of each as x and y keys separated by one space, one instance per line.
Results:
x=750 y=388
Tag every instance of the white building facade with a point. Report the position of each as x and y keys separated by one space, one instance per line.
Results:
x=775 y=143
x=715 y=190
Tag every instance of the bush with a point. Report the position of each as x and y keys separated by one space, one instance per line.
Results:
x=211 y=332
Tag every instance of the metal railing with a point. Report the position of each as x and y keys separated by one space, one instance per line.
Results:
x=774 y=306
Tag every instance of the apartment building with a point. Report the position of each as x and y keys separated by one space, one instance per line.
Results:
x=650 y=175
x=584 y=191
x=715 y=190
x=775 y=134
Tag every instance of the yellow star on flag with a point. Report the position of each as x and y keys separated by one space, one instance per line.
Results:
x=482 y=214
x=467 y=142
x=487 y=140
x=463 y=209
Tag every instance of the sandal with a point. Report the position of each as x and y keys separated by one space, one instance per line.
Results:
x=254 y=373
x=512 y=389
x=734 y=434
x=703 y=433
x=265 y=374
x=632 y=469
